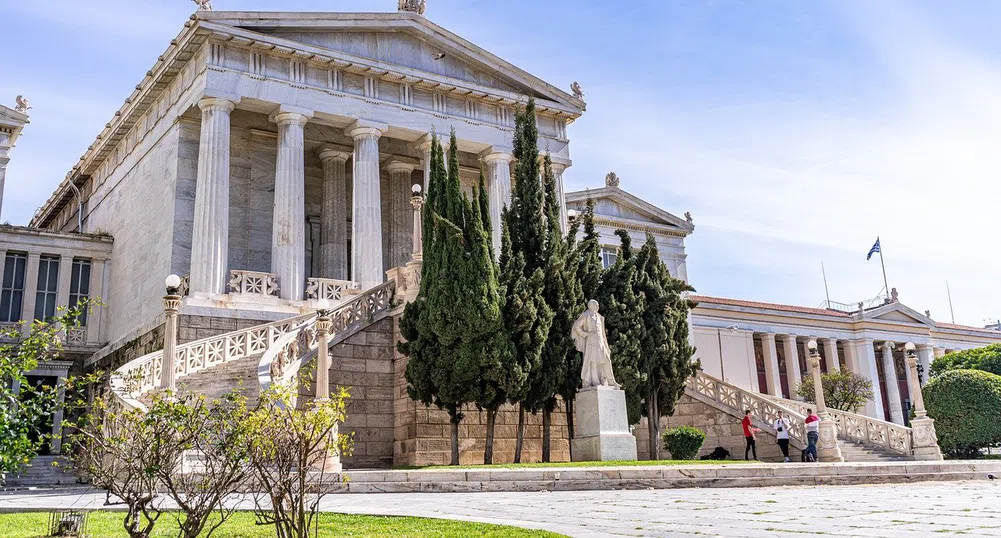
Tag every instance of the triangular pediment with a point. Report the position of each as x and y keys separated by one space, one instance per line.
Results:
x=898 y=312
x=617 y=205
x=399 y=39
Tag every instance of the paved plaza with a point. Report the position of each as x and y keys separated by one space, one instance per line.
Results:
x=921 y=509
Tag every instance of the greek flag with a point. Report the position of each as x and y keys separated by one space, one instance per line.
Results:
x=873 y=250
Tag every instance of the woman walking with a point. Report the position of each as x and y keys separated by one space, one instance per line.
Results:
x=782 y=434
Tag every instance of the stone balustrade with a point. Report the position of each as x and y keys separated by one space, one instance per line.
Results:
x=737 y=399
x=330 y=289
x=854 y=427
x=76 y=336
x=253 y=282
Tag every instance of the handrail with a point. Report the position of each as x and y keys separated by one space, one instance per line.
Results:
x=867 y=430
x=765 y=409
x=142 y=374
x=283 y=359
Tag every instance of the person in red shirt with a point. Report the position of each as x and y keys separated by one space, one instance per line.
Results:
x=812 y=434
x=749 y=432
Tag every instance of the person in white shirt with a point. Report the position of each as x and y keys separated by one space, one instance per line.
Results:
x=782 y=434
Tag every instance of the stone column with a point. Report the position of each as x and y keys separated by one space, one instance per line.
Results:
x=827 y=446
x=831 y=355
x=30 y=291
x=171 y=305
x=366 y=222
x=56 y=444
x=210 y=230
x=792 y=364
x=866 y=355
x=424 y=147
x=5 y=145
x=288 y=236
x=65 y=279
x=924 y=439
x=558 y=169
x=334 y=215
x=96 y=317
x=924 y=359
x=806 y=353
x=497 y=161
x=772 y=376
x=939 y=351
x=400 y=212
x=892 y=387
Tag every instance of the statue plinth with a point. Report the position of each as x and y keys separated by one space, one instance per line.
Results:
x=601 y=426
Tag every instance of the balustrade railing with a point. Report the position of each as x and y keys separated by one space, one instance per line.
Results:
x=739 y=400
x=143 y=373
x=330 y=289
x=281 y=362
x=253 y=282
x=76 y=336
x=866 y=430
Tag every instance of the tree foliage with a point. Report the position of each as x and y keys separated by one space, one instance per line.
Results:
x=987 y=359
x=843 y=390
x=457 y=348
x=966 y=405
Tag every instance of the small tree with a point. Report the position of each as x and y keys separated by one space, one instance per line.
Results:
x=217 y=432
x=966 y=405
x=684 y=442
x=123 y=450
x=288 y=451
x=843 y=390
x=987 y=359
x=24 y=411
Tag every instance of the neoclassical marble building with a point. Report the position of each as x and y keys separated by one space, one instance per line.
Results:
x=272 y=161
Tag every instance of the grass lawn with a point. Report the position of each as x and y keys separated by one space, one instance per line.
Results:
x=241 y=525
x=583 y=464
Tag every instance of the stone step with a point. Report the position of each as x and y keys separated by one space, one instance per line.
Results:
x=45 y=471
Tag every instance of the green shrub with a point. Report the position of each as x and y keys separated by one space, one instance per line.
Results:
x=683 y=442
x=843 y=390
x=987 y=359
x=966 y=406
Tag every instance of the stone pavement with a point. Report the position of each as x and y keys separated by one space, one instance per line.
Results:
x=921 y=509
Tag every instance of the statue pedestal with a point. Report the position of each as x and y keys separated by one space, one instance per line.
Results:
x=601 y=426
x=924 y=440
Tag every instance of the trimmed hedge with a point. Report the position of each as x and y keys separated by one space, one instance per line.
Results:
x=987 y=359
x=683 y=442
x=966 y=406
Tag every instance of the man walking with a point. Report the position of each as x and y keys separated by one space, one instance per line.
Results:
x=812 y=435
x=749 y=432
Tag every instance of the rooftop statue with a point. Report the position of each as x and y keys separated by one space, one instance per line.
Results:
x=204 y=5
x=611 y=180
x=589 y=338
x=22 y=105
x=577 y=92
x=417 y=6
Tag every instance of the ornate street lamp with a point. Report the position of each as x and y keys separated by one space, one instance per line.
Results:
x=171 y=305
x=322 y=356
x=417 y=202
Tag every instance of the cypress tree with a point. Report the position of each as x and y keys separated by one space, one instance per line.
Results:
x=666 y=354
x=454 y=330
x=527 y=316
x=622 y=309
x=562 y=294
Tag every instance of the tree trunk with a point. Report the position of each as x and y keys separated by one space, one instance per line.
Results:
x=521 y=434
x=547 y=422
x=455 y=436
x=570 y=425
x=488 y=453
x=653 y=424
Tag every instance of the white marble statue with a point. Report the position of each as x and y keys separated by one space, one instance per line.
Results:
x=577 y=92
x=589 y=338
x=21 y=104
x=204 y=5
x=417 y=6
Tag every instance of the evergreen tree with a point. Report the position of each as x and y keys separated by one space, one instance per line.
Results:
x=622 y=309
x=527 y=316
x=587 y=254
x=563 y=296
x=666 y=354
x=454 y=330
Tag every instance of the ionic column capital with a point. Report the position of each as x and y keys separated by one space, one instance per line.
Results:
x=366 y=129
x=331 y=154
x=497 y=154
x=286 y=114
x=216 y=103
x=888 y=345
x=768 y=336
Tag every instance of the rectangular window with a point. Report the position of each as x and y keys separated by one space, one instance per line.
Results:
x=80 y=285
x=12 y=292
x=48 y=283
x=608 y=257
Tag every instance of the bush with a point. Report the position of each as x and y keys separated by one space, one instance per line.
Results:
x=966 y=406
x=683 y=442
x=987 y=359
x=843 y=390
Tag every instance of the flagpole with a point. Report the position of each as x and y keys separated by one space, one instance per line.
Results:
x=826 y=292
x=886 y=285
x=949 y=294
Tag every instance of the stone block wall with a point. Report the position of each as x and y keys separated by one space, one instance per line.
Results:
x=722 y=428
x=423 y=434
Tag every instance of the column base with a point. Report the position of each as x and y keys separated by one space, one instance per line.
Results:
x=924 y=440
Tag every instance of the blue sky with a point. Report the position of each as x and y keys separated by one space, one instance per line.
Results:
x=795 y=132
